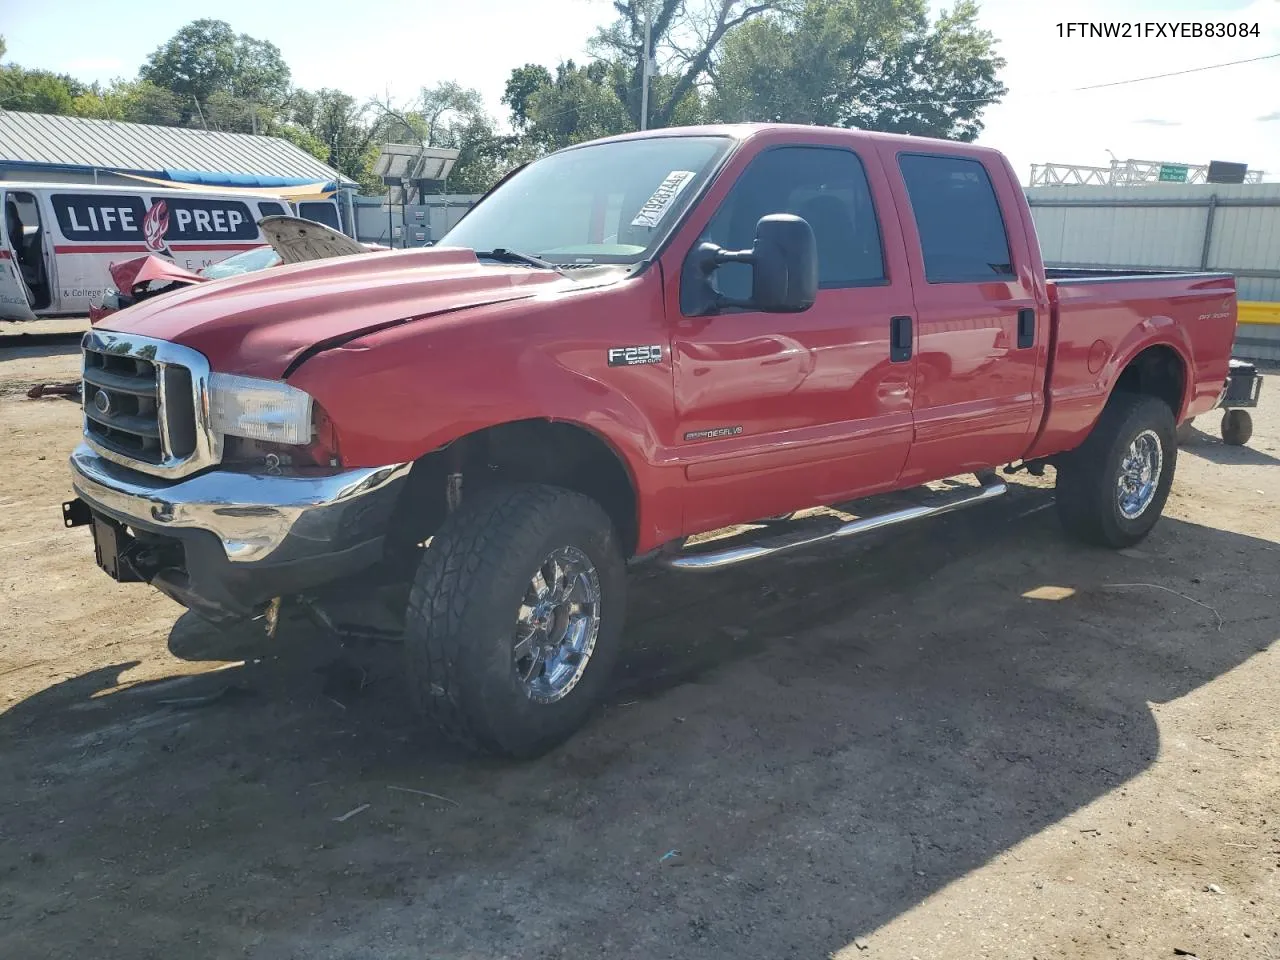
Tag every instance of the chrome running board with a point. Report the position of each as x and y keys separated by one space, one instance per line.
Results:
x=773 y=542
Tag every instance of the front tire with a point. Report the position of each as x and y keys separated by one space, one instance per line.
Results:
x=515 y=619
x=1112 y=489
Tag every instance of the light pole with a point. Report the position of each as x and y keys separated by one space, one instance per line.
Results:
x=644 y=72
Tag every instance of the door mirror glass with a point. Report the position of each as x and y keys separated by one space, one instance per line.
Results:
x=784 y=269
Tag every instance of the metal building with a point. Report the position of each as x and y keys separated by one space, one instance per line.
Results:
x=1229 y=227
x=48 y=148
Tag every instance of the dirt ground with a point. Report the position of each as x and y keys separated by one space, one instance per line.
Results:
x=908 y=748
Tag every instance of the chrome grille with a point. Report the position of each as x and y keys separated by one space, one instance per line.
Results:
x=121 y=405
x=146 y=404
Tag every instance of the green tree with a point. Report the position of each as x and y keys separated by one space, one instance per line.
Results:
x=523 y=83
x=135 y=101
x=37 y=91
x=870 y=64
x=685 y=37
x=579 y=103
x=341 y=125
x=211 y=69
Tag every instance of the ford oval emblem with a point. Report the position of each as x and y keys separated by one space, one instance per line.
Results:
x=102 y=402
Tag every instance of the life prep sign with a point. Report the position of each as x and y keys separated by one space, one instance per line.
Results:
x=165 y=220
x=58 y=240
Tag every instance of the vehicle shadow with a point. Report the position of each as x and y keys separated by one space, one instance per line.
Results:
x=1211 y=448
x=23 y=345
x=794 y=754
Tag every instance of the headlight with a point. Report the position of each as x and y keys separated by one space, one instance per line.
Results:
x=257 y=409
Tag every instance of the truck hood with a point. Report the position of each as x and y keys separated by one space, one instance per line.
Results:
x=259 y=323
x=298 y=240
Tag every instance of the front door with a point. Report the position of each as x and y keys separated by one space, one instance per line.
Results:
x=977 y=312
x=776 y=412
x=15 y=297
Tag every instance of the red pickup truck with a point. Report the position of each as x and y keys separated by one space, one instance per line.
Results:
x=623 y=345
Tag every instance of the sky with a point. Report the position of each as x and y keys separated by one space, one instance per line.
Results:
x=376 y=47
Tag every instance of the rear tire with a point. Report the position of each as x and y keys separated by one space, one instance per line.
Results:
x=1237 y=427
x=475 y=583
x=1112 y=489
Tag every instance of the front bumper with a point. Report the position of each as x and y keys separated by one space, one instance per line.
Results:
x=245 y=538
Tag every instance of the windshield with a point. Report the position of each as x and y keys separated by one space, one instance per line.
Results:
x=259 y=258
x=604 y=203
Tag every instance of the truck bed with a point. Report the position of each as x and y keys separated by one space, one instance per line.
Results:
x=1101 y=319
x=1103 y=273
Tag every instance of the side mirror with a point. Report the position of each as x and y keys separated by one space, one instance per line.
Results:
x=784 y=270
x=785 y=257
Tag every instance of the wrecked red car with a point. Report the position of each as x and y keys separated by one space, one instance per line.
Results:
x=289 y=240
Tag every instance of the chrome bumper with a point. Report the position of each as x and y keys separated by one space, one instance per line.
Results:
x=255 y=517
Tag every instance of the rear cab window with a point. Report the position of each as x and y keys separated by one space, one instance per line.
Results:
x=269 y=208
x=962 y=233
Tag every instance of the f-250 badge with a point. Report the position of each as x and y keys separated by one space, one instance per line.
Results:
x=634 y=356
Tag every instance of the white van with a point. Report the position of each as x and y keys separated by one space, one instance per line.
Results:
x=57 y=240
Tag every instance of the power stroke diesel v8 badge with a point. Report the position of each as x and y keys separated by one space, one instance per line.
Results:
x=634 y=356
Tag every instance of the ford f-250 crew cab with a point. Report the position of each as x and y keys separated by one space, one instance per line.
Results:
x=625 y=344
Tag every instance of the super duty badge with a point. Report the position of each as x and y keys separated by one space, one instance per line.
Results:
x=634 y=356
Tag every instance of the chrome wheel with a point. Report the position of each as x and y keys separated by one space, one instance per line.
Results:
x=557 y=625
x=1139 y=474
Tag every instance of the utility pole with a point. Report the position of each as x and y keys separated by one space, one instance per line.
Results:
x=644 y=72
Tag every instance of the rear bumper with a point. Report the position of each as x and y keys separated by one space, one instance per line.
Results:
x=224 y=542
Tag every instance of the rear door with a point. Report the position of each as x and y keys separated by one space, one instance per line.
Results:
x=15 y=300
x=93 y=230
x=977 y=311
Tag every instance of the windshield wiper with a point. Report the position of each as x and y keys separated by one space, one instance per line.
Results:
x=503 y=255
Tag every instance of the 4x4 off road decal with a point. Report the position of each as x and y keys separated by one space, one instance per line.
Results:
x=634 y=356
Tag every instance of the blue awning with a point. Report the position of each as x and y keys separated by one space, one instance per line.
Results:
x=211 y=178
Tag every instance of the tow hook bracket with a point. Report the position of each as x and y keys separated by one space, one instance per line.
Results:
x=76 y=513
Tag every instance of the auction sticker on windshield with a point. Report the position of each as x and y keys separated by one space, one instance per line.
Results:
x=656 y=207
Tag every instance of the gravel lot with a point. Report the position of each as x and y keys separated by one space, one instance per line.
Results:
x=901 y=749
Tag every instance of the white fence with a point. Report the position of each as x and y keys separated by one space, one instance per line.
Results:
x=1234 y=228
x=1229 y=227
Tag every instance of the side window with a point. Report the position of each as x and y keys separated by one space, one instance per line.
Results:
x=325 y=213
x=961 y=232
x=269 y=208
x=828 y=188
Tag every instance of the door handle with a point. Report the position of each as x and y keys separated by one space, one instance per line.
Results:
x=899 y=339
x=1026 y=328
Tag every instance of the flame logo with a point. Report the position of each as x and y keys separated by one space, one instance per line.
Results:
x=155 y=225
